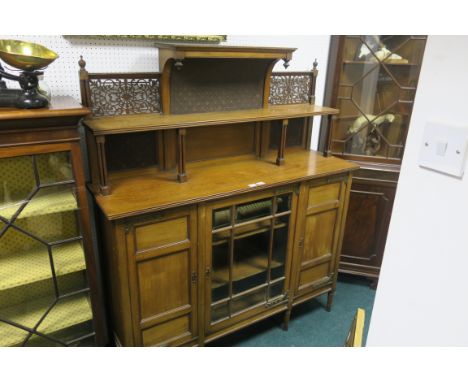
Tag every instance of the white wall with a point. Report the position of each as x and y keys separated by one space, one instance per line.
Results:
x=422 y=296
x=123 y=55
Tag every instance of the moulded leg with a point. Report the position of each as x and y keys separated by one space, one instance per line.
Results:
x=287 y=316
x=330 y=300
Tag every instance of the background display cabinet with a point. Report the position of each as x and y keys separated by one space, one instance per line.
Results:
x=372 y=80
x=48 y=289
x=215 y=213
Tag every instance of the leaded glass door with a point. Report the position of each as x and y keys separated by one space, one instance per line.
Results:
x=44 y=292
x=248 y=254
x=375 y=88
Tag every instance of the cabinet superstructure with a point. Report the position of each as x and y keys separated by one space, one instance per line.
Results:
x=217 y=215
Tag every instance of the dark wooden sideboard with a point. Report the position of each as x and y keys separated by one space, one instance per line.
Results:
x=215 y=213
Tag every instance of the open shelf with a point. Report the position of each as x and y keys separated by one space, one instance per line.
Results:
x=247 y=268
x=42 y=205
x=25 y=268
x=68 y=312
x=146 y=122
x=385 y=62
x=246 y=231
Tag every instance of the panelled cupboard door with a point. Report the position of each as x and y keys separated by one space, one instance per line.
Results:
x=318 y=233
x=365 y=234
x=248 y=244
x=163 y=272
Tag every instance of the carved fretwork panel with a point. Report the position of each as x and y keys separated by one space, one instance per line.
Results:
x=290 y=88
x=117 y=96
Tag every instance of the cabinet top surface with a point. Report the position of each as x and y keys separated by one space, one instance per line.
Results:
x=58 y=107
x=147 y=190
x=145 y=122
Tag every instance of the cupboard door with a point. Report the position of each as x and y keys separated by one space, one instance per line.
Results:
x=365 y=234
x=163 y=272
x=248 y=242
x=318 y=234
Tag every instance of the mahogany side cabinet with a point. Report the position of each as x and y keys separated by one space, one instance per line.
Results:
x=49 y=288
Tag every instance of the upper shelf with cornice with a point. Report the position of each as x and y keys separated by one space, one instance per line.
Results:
x=179 y=52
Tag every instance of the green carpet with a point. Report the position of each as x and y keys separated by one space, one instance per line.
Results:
x=311 y=324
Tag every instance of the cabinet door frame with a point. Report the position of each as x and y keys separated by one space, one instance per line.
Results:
x=299 y=244
x=133 y=258
x=206 y=238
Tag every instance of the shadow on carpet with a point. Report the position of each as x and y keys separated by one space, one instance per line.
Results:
x=311 y=324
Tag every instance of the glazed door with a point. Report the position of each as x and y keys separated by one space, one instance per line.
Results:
x=248 y=242
x=318 y=238
x=163 y=275
x=44 y=290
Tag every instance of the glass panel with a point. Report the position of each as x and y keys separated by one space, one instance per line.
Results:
x=220 y=266
x=66 y=313
x=221 y=218
x=36 y=340
x=50 y=200
x=251 y=246
x=22 y=259
x=24 y=305
x=276 y=289
x=248 y=300
x=253 y=210
x=16 y=184
x=283 y=203
x=54 y=167
x=280 y=247
x=68 y=257
x=51 y=214
x=219 y=312
x=376 y=90
x=72 y=282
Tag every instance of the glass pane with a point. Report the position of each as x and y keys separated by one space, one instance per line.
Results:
x=72 y=282
x=54 y=167
x=220 y=266
x=51 y=214
x=253 y=210
x=50 y=200
x=68 y=257
x=276 y=289
x=24 y=305
x=248 y=300
x=16 y=184
x=219 y=312
x=36 y=340
x=251 y=246
x=22 y=259
x=221 y=218
x=280 y=247
x=67 y=312
x=72 y=333
x=283 y=203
